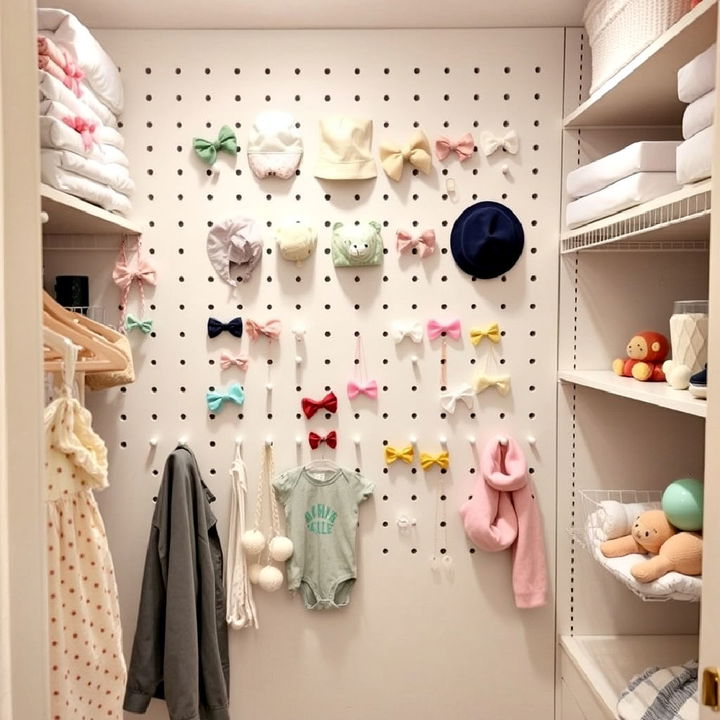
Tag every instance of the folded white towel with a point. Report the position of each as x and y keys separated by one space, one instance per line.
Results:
x=84 y=188
x=694 y=157
x=52 y=89
x=103 y=134
x=626 y=193
x=646 y=156
x=114 y=176
x=55 y=135
x=68 y=32
x=697 y=77
x=698 y=115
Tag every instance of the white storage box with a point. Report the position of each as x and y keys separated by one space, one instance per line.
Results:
x=619 y=29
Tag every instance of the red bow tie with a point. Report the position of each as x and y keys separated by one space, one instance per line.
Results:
x=314 y=439
x=310 y=407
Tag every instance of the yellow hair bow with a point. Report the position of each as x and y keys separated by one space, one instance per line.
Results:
x=491 y=332
x=483 y=381
x=442 y=459
x=416 y=152
x=406 y=454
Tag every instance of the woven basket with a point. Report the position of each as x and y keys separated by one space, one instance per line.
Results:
x=619 y=29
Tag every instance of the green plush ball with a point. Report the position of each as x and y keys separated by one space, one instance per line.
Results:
x=682 y=502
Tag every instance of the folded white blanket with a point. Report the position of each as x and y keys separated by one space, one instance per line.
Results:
x=647 y=156
x=103 y=134
x=56 y=135
x=694 y=157
x=52 y=89
x=100 y=71
x=623 y=194
x=673 y=585
x=616 y=519
x=84 y=188
x=114 y=176
x=698 y=115
x=697 y=77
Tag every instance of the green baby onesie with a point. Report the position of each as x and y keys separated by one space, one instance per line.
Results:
x=321 y=509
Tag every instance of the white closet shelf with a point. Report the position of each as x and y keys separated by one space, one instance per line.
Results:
x=677 y=221
x=644 y=92
x=596 y=668
x=68 y=215
x=653 y=393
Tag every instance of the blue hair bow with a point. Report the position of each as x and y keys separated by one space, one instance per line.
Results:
x=234 y=327
x=215 y=400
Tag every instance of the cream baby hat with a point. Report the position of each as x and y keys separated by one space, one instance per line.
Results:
x=296 y=239
x=274 y=146
x=345 y=152
x=234 y=248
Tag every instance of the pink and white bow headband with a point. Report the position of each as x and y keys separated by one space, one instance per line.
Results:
x=463 y=148
x=425 y=242
x=126 y=273
x=270 y=329
x=227 y=361
x=84 y=127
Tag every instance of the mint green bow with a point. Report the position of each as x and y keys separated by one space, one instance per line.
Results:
x=235 y=393
x=207 y=150
x=132 y=322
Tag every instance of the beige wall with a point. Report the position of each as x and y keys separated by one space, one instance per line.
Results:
x=22 y=545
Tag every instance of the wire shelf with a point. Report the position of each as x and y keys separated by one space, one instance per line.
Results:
x=679 y=221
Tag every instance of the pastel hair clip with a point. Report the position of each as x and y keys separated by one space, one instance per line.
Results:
x=215 y=400
x=491 y=332
x=424 y=243
x=315 y=440
x=483 y=381
x=359 y=384
x=416 y=152
x=310 y=407
x=441 y=459
x=234 y=327
x=413 y=331
x=270 y=329
x=489 y=143
x=439 y=328
x=406 y=454
x=464 y=394
x=207 y=150
x=463 y=148
x=227 y=361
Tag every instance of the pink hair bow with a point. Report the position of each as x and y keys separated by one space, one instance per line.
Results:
x=463 y=148
x=84 y=127
x=73 y=76
x=355 y=388
x=126 y=273
x=425 y=242
x=270 y=329
x=227 y=361
x=436 y=328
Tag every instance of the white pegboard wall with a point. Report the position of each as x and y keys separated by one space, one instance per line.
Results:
x=411 y=644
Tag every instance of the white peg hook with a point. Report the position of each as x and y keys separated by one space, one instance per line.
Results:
x=472 y=440
x=356 y=440
x=268 y=441
x=298 y=360
x=503 y=440
x=153 y=442
x=443 y=440
x=413 y=440
x=405 y=523
x=531 y=440
x=414 y=359
x=238 y=442
x=182 y=440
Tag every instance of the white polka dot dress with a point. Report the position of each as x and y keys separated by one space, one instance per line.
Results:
x=87 y=667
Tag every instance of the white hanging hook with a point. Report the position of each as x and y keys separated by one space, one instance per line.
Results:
x=502 y=440
x=238 y=442
x=298 y=360
x=153 y=442
x=299 y=332
x=405 y=523
x=531 y=440
x=44 y=217
x=298 y=442
x=182 y=440
x=413 y=440
x=356 y=440
x=269 y=386
x=443 y=440
x=414 y=359
x=268 y=441
x=472 y=440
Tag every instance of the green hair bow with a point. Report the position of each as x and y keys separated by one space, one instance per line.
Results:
x=207 y=150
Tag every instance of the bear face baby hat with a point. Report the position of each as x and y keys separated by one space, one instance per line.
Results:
x=274 y=146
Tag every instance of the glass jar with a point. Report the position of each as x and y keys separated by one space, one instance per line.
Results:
x=688 y=333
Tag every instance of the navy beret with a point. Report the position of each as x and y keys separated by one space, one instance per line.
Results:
x=486 y=240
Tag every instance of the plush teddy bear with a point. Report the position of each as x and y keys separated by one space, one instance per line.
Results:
x=646 y=353
x=652 y=533
x=356 y=245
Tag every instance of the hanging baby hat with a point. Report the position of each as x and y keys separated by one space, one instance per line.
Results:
x=274 y=147
x=240 y=606
x=234 y=248
x=296 y=239
x=255 y=542
x=345 y=149
x=125 y=273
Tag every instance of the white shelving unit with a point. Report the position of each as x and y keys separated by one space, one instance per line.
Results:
x=68 y=215
x=654 y=393
x=606 y=634
x=597 y=667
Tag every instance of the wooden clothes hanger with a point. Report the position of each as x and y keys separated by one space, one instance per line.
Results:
x=96 y=352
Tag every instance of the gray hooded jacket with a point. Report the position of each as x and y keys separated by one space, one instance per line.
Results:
x=180 y=651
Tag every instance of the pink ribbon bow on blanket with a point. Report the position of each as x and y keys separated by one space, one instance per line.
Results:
x=73 y=76
x=436 y=328
x=354 y=388
x=425 y=242
x=227 y=361
x=270 y=329
x=84 y=127
x=463 y=148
